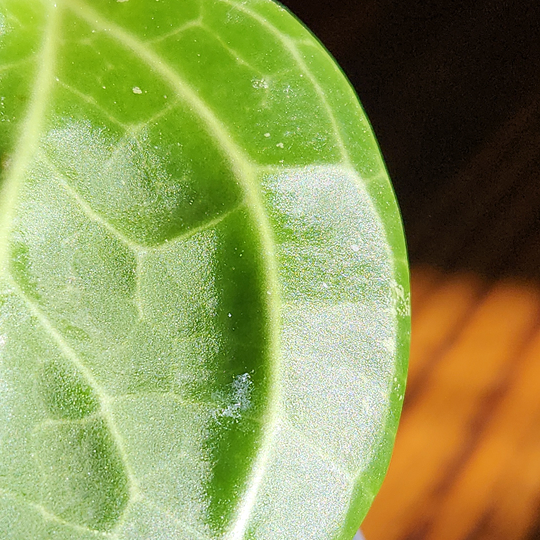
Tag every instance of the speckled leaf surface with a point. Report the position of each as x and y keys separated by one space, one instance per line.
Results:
x=203 y=285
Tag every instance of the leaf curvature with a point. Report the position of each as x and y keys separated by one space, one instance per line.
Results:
x=203 y=282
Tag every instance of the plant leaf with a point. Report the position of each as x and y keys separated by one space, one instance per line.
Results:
x=203 y=283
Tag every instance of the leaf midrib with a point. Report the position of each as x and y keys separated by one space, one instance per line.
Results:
x=30 y=131
x=25 y=150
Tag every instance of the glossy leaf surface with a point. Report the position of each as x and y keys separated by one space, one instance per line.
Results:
x=203 y=284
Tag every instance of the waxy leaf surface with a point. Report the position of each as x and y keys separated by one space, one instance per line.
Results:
x=203 y=284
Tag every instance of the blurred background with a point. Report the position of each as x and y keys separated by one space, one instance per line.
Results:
x=452 y=89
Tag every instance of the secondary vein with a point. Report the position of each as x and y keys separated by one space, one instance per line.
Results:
x=290 y=45
x=70 y=354
x=246 y=171
x=48 y=515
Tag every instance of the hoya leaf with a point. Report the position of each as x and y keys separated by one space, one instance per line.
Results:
x=203 y=283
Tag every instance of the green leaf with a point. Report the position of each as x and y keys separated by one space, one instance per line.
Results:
x=203 y=283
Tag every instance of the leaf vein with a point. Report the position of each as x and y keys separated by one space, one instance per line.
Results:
x=320 y=452
x=92 y=101
x=136 y=129
x=18 y=63
x=50 y=516
x=72 y=356
x=65 y=421
x=30 y=131
x=188 y=233
x=165 y=511
x=245 y=170
x=297 y=56
x=177 y=31
x=233 y=52
x=86 y=208
x=173 y=396
x=136 y=247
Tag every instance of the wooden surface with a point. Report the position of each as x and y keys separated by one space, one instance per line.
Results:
x=466 y=464
x=467 y=459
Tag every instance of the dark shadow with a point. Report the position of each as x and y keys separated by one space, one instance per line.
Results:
x=453 y=92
